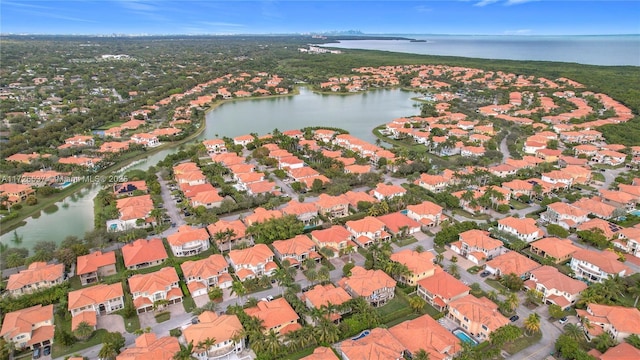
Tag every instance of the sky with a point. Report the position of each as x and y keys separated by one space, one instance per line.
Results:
x=469 y=17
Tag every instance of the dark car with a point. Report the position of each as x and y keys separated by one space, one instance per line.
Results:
x=46 y=351
x=485 y=273
x=195 y=320
x=514 y=318
x=36 y=353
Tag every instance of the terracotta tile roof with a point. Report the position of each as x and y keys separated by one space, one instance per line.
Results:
x=154 y=282
x=368 y=224
x=378 y=345
x=185 y=167
x=223 y=328
x=261 y=215
x=294 y=207
x=417 y=263
x=524 y=226
x=336 y=234
x=607 y=261
x=94 y=295
x=617 y=196
x=425 y=333
x=88 y=316
x=35 y=273
x=273 y=313
x=622 y=351
x=142 y=251
x=425 y=208
x=595 y=207
x=87 y=264
x=148 y=346
x=479 y=239
x=322 y=353
x=443 y=284
x=327 y=201
x=609 y=230
x=566 y=209
x=135 y=207
x=394 y=222
x=365 y=282
x=187 y=234
x=301 y=244
x=238 y=227
x=321 y=295
x=555 y=247
x=389 y=190
x=551 y=278
x=354 y=197
x=624 y=319
x=257 y=254
x=41 y=334
x=480 y=310
x=205 y=268
x=513 y=263
x=22 y=321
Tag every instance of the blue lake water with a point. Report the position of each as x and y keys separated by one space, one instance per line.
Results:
x=594 y=50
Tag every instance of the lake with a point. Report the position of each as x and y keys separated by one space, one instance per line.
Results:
x=358 y=113
x=593 y=50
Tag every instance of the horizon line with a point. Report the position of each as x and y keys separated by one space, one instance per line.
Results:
x=299 y=34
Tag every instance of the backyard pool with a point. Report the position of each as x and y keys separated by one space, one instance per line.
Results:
x=460 y=334
x=635 y=212
x=362 y=334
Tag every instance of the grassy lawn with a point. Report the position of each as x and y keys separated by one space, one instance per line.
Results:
x=474 y=269
x=109 y=125
x=397 y=321
x=407 y=241
x=495 y=284
x=433 y=312
x=517 y=204
x=392 y=306
x=522 y=343
x=189 y=304
x=74 y=283
x=471 y=216
x=60 y=350
x=163 y=316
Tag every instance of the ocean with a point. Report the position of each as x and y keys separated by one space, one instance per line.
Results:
x=592 y=50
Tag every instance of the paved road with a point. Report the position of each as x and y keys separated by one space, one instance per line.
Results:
x=169 y=204
x=504 y=149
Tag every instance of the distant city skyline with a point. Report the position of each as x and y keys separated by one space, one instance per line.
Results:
x=462 y=17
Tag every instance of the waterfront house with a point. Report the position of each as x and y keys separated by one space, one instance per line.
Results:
x=37 y=276
x=90 y=268
x=29 y=328
x=144 y=253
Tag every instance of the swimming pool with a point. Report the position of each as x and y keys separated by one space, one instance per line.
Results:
x=460 y=334
x=635 y=212
x=65 y=184
x=362 y=334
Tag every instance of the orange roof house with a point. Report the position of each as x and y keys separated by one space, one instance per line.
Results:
x=398 y=224
x=129 y=187
x=595 y=207
x=420 y=265
x=332 y=206
x=441 y=288
x=596 y=266
x=38 y=276
x=480 y=316
x=188 y=241
x=557 y=250
x=202 y=274
x=375 y=286
x=556 y=287
x=15 y=193
x=354 y=197
x=261 y=215
x=87 y=303
x=384 y=191
x=426 y=213
x=619 y=322
x=565 y=215
x=325 y=295
x=223 y=328
x=524 y=229
x=296 y=250
x=427 y=334
x=228 y=233
x=277 y=315
x=148 y=346
x=305 y=212
x=622 y=351
x=93 y=266
x=321 y=353
x=337 y=238
x=143 y=253
x=378 y=345
x=368 y=230
x=132 y=209
x=477 y=246
x=511 y=263
x=30 y=327
x=147 y=289
x=252 y=262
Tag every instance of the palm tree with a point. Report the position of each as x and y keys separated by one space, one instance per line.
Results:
x=237 y=287
x=108 y=351
x=185 y=352
x=574 y=331
x=350 y=249
x=439 y=258
x=492 y=295
x=419 y=249
x=83 y=331
x=327 y=332
x=634 y=290
x=454 y=270
x=206 y=344
x=512 y=301
x=421 y=355
x=532 y=323
x=417 y=303
x=324 y=274
x=272 y=343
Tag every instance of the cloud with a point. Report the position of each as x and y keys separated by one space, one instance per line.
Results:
x=485 y=2
x=143 y=8
x=517 y=2
x=11 y=3
x=518 y=32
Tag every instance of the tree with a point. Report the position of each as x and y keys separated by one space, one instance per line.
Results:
x=534 y=296
x=421 y=355
x=556 y=311
x=557 y=230
x=346 y=269
x=505 y=334
x=512 y=302
x=603 y=342
x=512 y=282
x=215 y=293
x=326 y=332
x=417 y=303
x=238 y=288
x=107 y=351
x=532 y=323
x=574 y=331
x=83 y=331
x=206 y=344
x=439 y=258
x=454 y=270
x=634 y=340
x=185 y=352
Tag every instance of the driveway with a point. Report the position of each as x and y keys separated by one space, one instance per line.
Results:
x=149 y=319
x=201 y=300
x=111 y=323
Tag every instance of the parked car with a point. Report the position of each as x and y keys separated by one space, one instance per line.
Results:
x=269 y=298
x=195 y=320
x=36 y=353
x=514 y=318
x=46 y=351
x=563 y=320
x=485 y=273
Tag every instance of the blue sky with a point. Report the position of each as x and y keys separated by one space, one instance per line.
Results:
x=479 y=17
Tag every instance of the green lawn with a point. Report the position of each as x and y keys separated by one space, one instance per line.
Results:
x=517 y=204
x=109 y=125
x=470 y=215
x=392 y=306
x=474 y=269
x=59 y=350
x=495 y=284
x=522 y=343
x=406 y=241
x=163 y=316
x=189 y=304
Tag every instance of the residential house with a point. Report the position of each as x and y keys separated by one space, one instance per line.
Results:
x=425 y=333
x=144 y=253
x=441 y=288
x=148 y=346
x=419 y=264
x=129 y=188
x=378 y=345
x=332 y=206
x=252 y=262
x=188 y=241
x=324 y=296
x=367 y=231
x=524 y=229
x=37 y=276
x=148 y=289
x=384 y=191
x=426 y=213
x=321 y=353
x=90 y=268
x=29 y=328
x=554 y=249
x=276 y=315
x=337 y=238
x=399 y=224
x=227 y=233
x=356 y=197
x=80 y=140
x=225 y=329
x=145 y=139
x=261 y=215
x=433 y=183
x=478 y=316
x=595 y=207
x=133 y=212
x=556 y=287
x=296 y=250
x=619 y=199
x=202 y=275
x=305 y=212
x=617 y=321
x=477 y=246
x=622 y=351
x=87 y=304
x=375 y=286
x=596 y=266
x=215 y=146
x=629 y=241
x=511 y=263
x=15 y=193
x=565 y=215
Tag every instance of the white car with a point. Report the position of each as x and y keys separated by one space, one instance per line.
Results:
x=563 y=320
